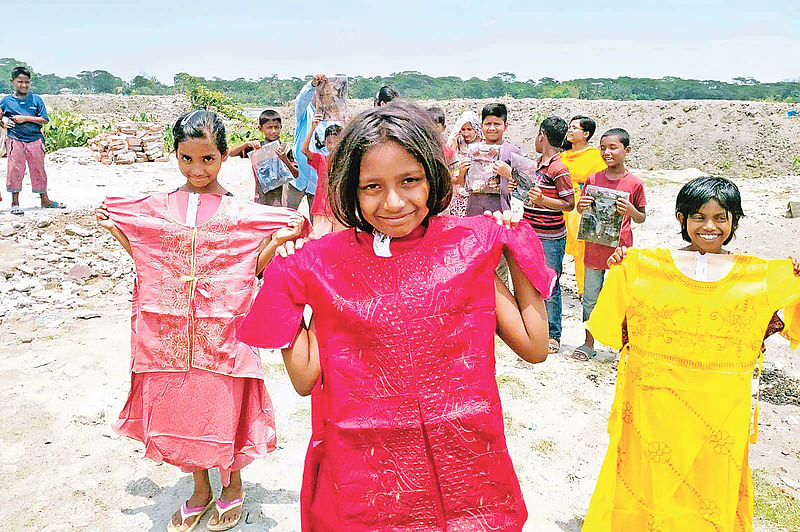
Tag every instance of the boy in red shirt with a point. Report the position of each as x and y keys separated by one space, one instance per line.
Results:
x=614 y=146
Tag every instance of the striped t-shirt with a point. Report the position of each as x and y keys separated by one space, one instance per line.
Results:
x=554 y=180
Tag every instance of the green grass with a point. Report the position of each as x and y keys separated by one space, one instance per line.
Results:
x=796 y=164
x=773 y=505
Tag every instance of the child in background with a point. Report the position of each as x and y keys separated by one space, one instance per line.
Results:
x=690 y=326
x=399 y=354
x=197 y=397
x=467 y=131
x=494 y=121
x=23 y=115
x=437 y=115
x=269 y=123
x=385 y=95
x=582 y=161
x=305 y=185
x=322 y=218
x=545 y=208
x=614 y=145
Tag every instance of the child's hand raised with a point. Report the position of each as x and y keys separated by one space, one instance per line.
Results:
x=318 y=117
x=102 y=217
x=318 y=80
x=617 y=257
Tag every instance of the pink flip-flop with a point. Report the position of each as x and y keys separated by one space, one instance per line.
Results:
x=186 y=513
x=224 y=507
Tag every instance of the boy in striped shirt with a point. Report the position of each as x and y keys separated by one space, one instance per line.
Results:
x=545 y=208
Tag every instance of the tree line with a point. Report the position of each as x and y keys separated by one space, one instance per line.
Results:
x=272 y=90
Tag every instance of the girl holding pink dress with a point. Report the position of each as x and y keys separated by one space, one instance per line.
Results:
x=399 y=354
x=197 y=397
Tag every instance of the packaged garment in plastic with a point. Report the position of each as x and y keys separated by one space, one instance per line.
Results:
x=330 y=99
x=481 y=177
x=601 y=223
x=270 y=171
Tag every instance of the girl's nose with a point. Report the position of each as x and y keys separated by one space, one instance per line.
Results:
x=393 y=200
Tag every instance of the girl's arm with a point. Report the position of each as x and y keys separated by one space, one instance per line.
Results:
x=521 y=317
x=307 y=141
x=302 y=359
x=104 y=221
x=292 y=231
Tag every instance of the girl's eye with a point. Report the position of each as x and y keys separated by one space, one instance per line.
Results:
x=370 y=186
x=411 y=179
x=208 y=158
x=186 y=158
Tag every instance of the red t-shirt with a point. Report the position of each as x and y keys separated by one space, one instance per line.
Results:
x=596 y=255
x=320 y=205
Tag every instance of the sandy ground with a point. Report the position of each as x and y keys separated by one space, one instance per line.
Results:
x=64 y=375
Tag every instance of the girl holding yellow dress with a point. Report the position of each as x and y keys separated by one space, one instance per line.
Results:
x=690 y=325
x=582 y=161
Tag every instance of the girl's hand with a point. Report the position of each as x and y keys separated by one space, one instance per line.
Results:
x=617 y=256
x=102 y=217
x=502 y=169
x=584 y=202
x=796 y=264
x=464 y=167
x=291 y=232
x=318 y=80
x=503 y=218
x=625 y=207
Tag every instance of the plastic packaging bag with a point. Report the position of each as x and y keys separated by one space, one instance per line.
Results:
x=330 y=99
x=481 y=177
x=270 y=171
x=601 y=223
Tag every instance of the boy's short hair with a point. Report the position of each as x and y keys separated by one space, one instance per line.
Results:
x=697 y=192
x=333 y=129
x=554 y=129
x=409 y=126
x=17 y=70
x=624 y=137
x=437 y=115
x=494 y=109
x=268 y=115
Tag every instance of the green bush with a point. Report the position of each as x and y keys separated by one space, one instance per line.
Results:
x=67 y=129
x=796 y=163
x=201 y=97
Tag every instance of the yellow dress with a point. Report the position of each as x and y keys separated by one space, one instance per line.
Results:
x=581 y=164
x=678 y=452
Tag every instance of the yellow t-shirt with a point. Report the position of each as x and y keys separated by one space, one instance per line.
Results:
x=582 y=164
x=679 y=424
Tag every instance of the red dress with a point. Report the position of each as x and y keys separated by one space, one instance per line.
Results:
x=407 y=423
x=321 y=205
x=197 y=397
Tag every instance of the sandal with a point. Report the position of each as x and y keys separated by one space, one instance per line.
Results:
x=222 y=509
x=17 y=210
x=186 y=513
x=54 y=205
x=553 y=346
x=584 y=353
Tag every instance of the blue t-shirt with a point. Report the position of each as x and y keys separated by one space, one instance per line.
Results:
x=31 y=105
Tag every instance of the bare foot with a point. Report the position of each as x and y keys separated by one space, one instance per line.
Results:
x=198 y=499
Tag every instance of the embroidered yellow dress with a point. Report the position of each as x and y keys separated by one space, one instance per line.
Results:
x=678 y=451
x=581 y=165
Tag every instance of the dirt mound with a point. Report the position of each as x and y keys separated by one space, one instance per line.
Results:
x=733 y=138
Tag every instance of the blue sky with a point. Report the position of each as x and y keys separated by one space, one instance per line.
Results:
x=706 y=39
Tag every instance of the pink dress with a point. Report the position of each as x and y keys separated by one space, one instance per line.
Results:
x=407 y=423
x=321 y=205
x=197 y=397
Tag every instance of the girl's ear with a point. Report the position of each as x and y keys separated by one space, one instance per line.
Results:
x=225 y=155
x=627 y=150
x=679 y=217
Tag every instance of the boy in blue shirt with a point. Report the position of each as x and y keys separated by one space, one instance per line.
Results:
x=24 y=114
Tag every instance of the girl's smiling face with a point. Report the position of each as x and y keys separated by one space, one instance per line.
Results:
x=199 y=161
x=708 y=228
x=392 y=190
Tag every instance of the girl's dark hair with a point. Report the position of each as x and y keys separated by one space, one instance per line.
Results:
x=20 y=70
x=385 y=95
x=402 y=122
x=697 y=192
x=333 y=129
x=587 y=124
x=200 y=124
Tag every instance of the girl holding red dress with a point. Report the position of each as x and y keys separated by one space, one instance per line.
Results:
x=399 y=354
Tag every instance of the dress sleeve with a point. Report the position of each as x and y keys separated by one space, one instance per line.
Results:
x=528 y=253
x=783 y=290
x=606 y=320
x=274 y=319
